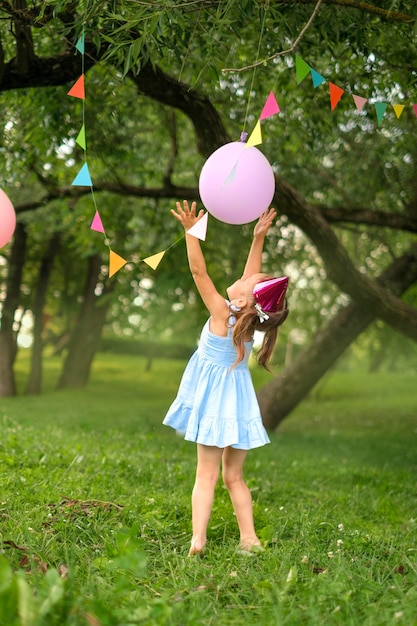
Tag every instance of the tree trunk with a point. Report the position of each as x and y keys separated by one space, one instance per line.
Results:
x=35 y=378
x=283 y=393
x=8 y=336
x=368 y=293
x=86 y=335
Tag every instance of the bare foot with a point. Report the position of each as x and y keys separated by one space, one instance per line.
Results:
x=251 y=544
x=197 y=547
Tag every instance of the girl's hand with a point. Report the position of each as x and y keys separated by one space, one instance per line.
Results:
x=187 y=216
x=264 y=223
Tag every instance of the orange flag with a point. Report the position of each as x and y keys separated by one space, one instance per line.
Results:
x=335 y=94
x=77 y=90
x=116 y=262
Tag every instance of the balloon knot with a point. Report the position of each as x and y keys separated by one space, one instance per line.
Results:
x=243 y=136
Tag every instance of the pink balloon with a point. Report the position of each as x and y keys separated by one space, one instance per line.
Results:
x=7 y=219
x=236 y=183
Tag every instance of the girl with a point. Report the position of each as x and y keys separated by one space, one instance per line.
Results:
x=216 y=405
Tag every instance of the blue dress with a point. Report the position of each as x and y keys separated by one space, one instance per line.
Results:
x=216 y=405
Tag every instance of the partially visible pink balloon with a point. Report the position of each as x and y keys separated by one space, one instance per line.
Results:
x=7 y=219
x=237 y=183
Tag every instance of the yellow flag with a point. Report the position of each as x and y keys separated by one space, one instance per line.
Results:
x=398 y=108
x=116 y=263
x=154 y=260
x=256 y=137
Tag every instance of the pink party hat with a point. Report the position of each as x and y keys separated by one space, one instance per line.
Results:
x=269 y=294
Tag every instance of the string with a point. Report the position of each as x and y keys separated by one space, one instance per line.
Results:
x=254 y=69
x=165 y=249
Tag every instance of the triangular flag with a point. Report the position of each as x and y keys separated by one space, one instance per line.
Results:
x=199 y=229
x=97 y=224
x=83 y=178
x=77 y=90
x=116 y=262
x=359 y=102
x=256 y=136
x=270 y=107
x=335 y=94
x=398 y=109
x=380 y=108
x=301 y=69
x=317 y=78
x=415 y=108
x=154 y=260
x=80 y=44
x=81 y=138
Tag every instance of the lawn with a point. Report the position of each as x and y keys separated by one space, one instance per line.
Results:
x=95 y=508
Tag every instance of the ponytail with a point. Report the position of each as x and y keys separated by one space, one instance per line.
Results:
x=247 y=321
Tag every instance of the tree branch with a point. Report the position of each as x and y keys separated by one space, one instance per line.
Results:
x=284 y=52
x=366 y=7
x=406 y=223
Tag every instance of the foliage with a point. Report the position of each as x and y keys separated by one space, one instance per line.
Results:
x=95 y=509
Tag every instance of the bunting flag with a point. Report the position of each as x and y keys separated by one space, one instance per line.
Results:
x=271 y=107
x=116 y=262
x=317 y=79
x=302 y=69
x=154 y=260
x=199 y=229
x=80 y=44
x=398 y=109
x=81 y=138
x=380 y=108
x=97 y=224
x=83 y=178
x=359 y=102
x=335 y=94
x=78 y=90
x=256 y=136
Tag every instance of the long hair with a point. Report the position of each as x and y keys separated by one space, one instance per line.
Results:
x=247 y=321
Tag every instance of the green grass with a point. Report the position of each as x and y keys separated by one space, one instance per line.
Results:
x=95 y=508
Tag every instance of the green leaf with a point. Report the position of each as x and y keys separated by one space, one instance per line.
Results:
x=55 y=590
x=27 y=605
x=5 y=575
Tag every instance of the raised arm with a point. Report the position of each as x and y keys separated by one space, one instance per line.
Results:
x=254 y=261
x=214 y=302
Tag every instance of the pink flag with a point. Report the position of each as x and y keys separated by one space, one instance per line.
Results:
x=270 y=107
x=359 y=102
x=97 y=224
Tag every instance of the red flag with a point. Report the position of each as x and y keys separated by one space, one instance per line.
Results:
x=77 y=90
x=335 y=94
